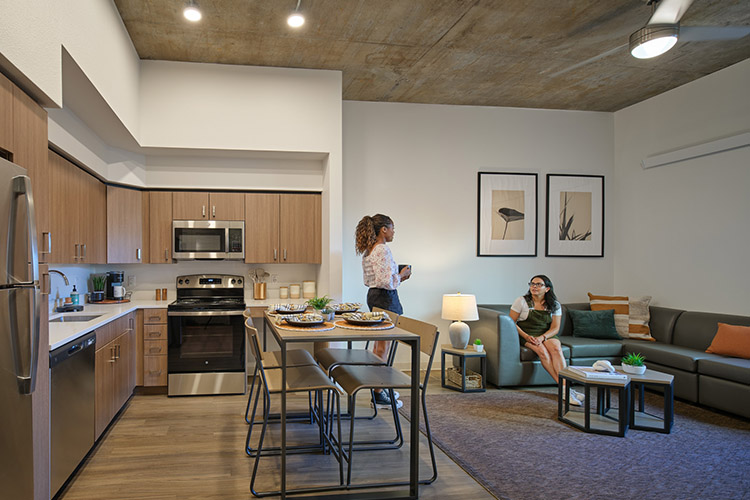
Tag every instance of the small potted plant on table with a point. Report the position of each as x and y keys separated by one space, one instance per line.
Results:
x=478 y=345
x=320 y=304
x=633 y=363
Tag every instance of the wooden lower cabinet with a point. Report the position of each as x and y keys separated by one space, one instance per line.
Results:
x=115 y=369
x=154 y=347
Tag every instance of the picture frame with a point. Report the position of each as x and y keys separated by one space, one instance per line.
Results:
x=575 y=215
x=507 y=220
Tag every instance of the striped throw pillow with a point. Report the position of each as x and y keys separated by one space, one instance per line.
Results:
x=621 y=305
x=638 y=321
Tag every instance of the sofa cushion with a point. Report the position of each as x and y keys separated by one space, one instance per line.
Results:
x=619 y=304
x=697 y=329
x=735 y=369
x=683 y=358
x=594 y=324
x=581 y=347
x=529 y=355
x=662 y=323
x=731 y=340
x=566 y=326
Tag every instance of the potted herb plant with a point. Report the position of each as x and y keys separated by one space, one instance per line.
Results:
x=97 y=281
x=633 y=363
x=478 y=345
x=320 y=304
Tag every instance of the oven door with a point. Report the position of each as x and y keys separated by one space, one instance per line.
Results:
x=206 y=342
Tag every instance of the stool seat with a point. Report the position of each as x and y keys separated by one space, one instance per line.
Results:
x=352 y=378
x=294 y=357
x=329 y=357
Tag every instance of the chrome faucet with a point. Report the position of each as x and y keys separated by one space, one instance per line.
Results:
x=61 y=274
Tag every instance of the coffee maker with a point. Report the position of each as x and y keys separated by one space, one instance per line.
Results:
x=114 y=278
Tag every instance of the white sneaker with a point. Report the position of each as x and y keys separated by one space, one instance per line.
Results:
x=579 y=396
x=574 y=401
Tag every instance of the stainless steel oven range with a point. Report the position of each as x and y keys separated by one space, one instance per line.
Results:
x=207 y=336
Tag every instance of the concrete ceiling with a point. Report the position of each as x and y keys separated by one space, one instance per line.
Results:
x=468 y=52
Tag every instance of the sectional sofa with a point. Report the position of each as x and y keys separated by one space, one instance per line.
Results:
x=681 y=340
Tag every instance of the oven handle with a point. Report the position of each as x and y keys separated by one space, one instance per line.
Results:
x=205 y=313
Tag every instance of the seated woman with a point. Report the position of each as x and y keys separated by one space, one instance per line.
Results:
x=537 y=315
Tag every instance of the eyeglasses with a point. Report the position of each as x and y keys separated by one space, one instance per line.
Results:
x=536 y=285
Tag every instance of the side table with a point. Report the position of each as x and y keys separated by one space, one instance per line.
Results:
x=462 y=354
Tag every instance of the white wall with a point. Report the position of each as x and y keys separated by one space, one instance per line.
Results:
x=682 y=229
x=419 y=163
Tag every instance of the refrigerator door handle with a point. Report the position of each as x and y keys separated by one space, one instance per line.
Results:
x=25 y=362
x=22 y=187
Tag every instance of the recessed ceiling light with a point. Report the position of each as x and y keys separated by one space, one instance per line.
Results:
x=191 y=12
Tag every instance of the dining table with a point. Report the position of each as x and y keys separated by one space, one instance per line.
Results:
x=286 y=337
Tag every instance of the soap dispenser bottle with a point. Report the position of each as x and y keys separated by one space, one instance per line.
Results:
x=74 y=295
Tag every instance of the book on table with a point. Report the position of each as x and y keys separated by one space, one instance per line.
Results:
x=589 y=372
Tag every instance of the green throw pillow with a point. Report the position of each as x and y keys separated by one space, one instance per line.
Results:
x=594 y=324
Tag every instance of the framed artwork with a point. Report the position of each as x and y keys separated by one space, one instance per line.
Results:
x=575 y=215
x=506 y=215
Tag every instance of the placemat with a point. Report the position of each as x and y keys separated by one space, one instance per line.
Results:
x=327 y=325
x=385 y=325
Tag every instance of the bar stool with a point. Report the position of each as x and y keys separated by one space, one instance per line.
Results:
x=354 y=378
x=299 y=379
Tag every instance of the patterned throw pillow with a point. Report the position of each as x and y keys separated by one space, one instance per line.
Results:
x=638 y=319
x=621 y=305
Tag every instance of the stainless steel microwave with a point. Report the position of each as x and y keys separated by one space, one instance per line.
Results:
x=208 y=239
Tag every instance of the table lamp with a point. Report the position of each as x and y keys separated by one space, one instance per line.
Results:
x=459 y=308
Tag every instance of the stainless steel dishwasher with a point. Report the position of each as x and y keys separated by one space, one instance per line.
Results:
x=72 y=394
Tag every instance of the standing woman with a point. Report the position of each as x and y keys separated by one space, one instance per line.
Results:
x=537 y=316
x=381 y=274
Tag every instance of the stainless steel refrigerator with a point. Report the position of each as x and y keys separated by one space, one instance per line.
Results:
x=24 y=383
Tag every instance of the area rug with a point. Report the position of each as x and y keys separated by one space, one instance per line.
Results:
x=513 y=444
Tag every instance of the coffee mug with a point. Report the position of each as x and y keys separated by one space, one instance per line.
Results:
x=119 y=292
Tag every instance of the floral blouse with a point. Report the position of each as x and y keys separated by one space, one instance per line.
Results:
x=379 y=268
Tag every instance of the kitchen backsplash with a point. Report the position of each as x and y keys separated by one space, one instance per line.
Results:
x=144 y=279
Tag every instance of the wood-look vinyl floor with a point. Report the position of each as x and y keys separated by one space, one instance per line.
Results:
x=164 y=448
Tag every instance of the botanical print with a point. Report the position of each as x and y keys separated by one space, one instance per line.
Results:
x=575 y=216
x=507 y=207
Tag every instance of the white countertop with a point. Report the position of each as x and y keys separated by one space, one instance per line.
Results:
x=62 y=333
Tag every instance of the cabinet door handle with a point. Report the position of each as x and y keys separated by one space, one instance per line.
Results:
x=155 y=349
x=154 y=318
x=285 y=254
x=151 y=372
x=78 y=252
x=166 y=254
x=137 y=254
x=112 y=357
x=84 y=250
x=275 y=253
x=45 y=284
x=204 y=211
x=213 y=211
x=118 y=351
x=154 y=334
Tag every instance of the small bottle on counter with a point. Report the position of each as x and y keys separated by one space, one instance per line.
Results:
x=74 y=296
x=158 y=294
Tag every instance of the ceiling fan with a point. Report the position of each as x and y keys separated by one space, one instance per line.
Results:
x=663 y=30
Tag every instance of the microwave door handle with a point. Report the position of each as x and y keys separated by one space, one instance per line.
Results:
x=22 y=187
x=25 y=353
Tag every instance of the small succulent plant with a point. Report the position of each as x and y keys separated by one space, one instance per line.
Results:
x=319 y=302
x=478 y=342
x=633 y=359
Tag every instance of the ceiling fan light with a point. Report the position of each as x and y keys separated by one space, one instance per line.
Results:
x=653 y=40
x=295 y=20
x=191 y=12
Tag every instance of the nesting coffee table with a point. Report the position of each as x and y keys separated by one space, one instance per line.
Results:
x=630 y=412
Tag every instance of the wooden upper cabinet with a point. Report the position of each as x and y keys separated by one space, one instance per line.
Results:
x=227 y=206
x=300 y=228
x=160 y=227
x=284 y=228
x=261 y=228
x=196 y=205
x=29 y=134
x=92 y=226
x=124 y=226
x=6 y=114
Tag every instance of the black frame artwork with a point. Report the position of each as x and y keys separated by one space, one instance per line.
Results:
x=507 y=219
x=575 y=215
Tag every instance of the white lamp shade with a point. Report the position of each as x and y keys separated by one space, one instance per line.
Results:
x=460 y=307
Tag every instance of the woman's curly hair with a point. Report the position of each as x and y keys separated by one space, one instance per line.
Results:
x=367 y=231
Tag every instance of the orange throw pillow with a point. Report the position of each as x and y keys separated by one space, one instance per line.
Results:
x=731 y=340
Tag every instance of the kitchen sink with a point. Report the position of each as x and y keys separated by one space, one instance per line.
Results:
x=74 y=318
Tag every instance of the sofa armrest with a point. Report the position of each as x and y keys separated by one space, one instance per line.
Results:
x=500 y=338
